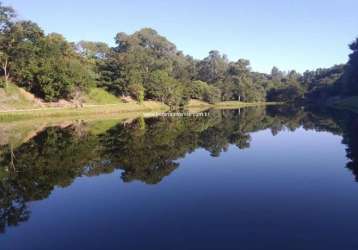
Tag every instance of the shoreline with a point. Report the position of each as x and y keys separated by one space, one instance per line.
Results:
x=85 y=111
x=229 y=104
x=112 y=109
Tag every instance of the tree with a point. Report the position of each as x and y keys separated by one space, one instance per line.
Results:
x=350 y=76
x=147 y=59
x=212 y=94
x=197 y=89
x=164 y=88
x=92 y=50
x=134 y=58
x=7 y=15
x=137 y=91
x=48 y=66
x=276 y=74
x=240 y=81
x=212 y=68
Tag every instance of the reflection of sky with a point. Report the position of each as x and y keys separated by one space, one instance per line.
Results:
x=287 y=190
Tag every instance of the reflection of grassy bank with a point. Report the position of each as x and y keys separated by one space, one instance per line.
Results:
x=350 y=103
x=87 y=110
x=228 y=104
x=237 y=104
x=17 y=132
x=113 y=109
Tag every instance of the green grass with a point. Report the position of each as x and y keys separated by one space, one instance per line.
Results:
x=18 y=131
x=3 y=173
x=90 y=110
x=238 y=104
x=17 y=104
x=100 y=127
x=12 y=97
x=228 y=104
x=100 y=96
x=197 y=103
x=349 y=103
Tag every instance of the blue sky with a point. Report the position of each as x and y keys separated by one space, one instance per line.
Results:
x=301 y=34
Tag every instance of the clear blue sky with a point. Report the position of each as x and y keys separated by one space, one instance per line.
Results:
x=301 y=34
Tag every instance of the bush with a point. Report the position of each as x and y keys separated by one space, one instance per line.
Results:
x=197 y=89
x=2 y=82
x=137 y=91
x=212 y=94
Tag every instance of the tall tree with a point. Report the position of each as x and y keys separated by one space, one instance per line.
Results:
x=212 y=69
x=350 y=77
x=7 y=15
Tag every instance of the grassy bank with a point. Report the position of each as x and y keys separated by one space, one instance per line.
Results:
x=18 y=104
x=112 y=109
x=350 y=103
x=87 y=110
x=227 y=104
x=13 y=97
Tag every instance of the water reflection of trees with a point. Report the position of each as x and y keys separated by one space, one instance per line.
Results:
x=145 y=150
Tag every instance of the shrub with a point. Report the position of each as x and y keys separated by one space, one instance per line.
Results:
x=137 y=91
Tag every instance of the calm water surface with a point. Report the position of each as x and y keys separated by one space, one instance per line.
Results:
x=282 y=178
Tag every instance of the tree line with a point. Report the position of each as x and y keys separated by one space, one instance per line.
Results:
x=145 y=65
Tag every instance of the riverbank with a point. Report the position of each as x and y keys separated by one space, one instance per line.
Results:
x=227 y=104
x=114 y=109
x=18 y=104
x=86 y=110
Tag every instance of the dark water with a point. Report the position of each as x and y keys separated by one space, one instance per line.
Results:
x=282 y=178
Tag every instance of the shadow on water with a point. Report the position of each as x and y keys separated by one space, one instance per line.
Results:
x=145 y=150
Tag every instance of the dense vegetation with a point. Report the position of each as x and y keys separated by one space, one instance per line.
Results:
x=146 y=65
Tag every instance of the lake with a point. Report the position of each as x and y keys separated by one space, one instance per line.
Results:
x=256 y=178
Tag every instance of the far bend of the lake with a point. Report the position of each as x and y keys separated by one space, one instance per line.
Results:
x=256 y=178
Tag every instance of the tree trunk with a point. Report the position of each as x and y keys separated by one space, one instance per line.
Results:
x=12 y=155
x=6 y=73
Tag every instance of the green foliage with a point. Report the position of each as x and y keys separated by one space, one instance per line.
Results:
x=212 y=94
x=288 y=94
x=55 y=71
x=2 y=82
x=137 y=91
x=100 y=96
x=213 y=68
x=202 y=91
x=7 y=13
x=48 y=66
x=92 y=50
x=149 y=60
x=197 y=89
x=349 y=82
